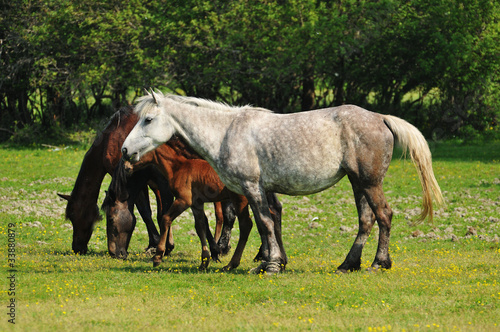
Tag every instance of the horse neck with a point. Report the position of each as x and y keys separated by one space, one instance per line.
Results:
x=100 y=159
x=169 y=161
x=204 y=129
x=89 y=179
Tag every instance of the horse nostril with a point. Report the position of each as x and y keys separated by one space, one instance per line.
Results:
x=124 y=152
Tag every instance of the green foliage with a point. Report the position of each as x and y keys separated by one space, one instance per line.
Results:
x=432 y=62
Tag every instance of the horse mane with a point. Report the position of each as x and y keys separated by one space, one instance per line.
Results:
x=144 y=103
x=181 y=148
x=117 y=188
x=123 y=111
x=114 y=122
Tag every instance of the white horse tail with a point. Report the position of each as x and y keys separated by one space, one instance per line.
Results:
x=412 y=140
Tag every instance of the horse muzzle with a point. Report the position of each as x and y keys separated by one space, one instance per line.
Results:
x=128 y=167
x=128 y=156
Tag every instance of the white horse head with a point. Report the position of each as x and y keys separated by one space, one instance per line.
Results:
x=157 y=123
x=153 y=128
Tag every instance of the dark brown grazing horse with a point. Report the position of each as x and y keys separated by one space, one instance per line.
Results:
x=193 y=183
x=101 y=159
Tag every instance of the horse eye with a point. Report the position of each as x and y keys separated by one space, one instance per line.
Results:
x=148 y=120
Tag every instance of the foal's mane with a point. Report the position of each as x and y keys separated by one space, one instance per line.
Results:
x=181 y=148
x=144 y=103
x=117 y=188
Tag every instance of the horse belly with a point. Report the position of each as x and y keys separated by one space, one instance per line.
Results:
x=302 y=186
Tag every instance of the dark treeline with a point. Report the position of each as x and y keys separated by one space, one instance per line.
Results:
x=432 y=62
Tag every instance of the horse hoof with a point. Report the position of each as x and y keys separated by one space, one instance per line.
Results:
x=168 y=250
x=268 y=268
x=224 y=250
x=204 y=264
x=259 y=269
x=150 y=252
x=156 y=261
x=215 y=257
x=273 y=268
x=341 y=271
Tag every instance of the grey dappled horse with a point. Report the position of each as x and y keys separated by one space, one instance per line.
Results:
x=255 y=151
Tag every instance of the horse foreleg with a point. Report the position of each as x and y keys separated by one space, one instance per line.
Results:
x=273 y=262
x=164 y=200
x=229 y=215
x=219 y=219
x=144 y=208
x=366 y=221
x=177 y=207
x=275 y=208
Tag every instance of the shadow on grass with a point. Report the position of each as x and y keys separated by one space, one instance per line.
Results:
x=175 y=264
x=178 y=269
x=185 y=269
x=136 y=263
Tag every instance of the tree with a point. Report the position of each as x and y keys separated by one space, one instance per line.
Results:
x=16 y=61
x=433 y=62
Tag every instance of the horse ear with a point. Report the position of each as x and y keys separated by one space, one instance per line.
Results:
x=154 y=95
x=66 y=197
x=147 y=92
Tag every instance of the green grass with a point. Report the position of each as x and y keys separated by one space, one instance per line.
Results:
x=435 y=283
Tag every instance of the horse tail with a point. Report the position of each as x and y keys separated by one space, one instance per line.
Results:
x=412 y=140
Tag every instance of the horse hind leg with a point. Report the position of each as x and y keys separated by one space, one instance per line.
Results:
x=366 y=220
x=383 y=214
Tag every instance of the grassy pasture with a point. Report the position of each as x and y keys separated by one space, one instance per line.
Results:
x=446 y=275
